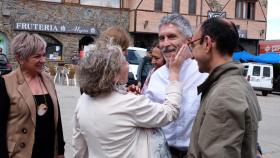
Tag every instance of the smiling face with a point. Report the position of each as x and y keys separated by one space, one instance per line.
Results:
x=170 y=40
x=35 y=62
x=199 y=51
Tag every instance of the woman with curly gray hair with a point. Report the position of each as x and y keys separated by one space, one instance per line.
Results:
x=109 y=121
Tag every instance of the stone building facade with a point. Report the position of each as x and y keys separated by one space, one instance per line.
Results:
x=250 y=16
x=66 y=26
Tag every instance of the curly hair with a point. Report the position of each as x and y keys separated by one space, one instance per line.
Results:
x=97 y=72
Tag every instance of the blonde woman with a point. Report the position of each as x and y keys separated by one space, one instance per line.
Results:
x=30 y=123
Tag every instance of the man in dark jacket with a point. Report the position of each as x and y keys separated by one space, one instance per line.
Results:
x=144 y=68
x=226 y=124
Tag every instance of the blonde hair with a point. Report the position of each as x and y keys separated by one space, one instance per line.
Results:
x=97 y=72
x=119 y=36
x=26 y=44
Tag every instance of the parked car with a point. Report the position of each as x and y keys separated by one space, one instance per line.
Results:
x=134 y=57
x=260 y=76
x=5 y=66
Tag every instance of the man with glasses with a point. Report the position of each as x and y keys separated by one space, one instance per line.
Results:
x=226 y=124
x=175 y=32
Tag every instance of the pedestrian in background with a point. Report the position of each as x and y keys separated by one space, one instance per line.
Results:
x=144 y=68
x=30 y=123
x=109 y=121
x=174 y=32
x=118 y=36
x=157 y=61
x=227 y=121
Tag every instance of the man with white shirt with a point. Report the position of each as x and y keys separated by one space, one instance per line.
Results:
x=175 y=31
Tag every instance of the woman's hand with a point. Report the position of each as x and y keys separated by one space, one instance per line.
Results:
x=134 y=89
x=177 y=60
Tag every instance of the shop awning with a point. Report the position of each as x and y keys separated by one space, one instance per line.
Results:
x=271 y=58
x=243 y=56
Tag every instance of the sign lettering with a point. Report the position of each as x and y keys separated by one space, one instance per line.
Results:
x=54 y=28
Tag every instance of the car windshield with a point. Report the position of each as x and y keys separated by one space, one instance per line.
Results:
x=134 y=56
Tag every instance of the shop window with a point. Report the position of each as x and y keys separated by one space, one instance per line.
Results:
x=4 y=43
x=54 y=48
x=245 y=9
x=51 y=0
x=192 y=7
x=102 y=3
x=158 y=5
x=176 y=6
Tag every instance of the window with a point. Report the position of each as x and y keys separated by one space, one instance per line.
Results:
x=158 y=5
x=266 y=71
x=103 y=3
x=245 y=70
x=256 y=71
x=192 y=7
x=245 y=9
x=52 y=0
x=176 y=6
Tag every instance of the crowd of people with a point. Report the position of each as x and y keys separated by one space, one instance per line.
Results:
x=193 y=101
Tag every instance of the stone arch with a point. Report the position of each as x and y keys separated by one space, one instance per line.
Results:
x=54 y=48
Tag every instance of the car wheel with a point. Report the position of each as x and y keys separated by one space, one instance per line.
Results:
x=264 y=93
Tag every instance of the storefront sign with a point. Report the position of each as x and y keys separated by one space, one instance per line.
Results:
x=54 y=28
x=269 y=46
x=216 y=14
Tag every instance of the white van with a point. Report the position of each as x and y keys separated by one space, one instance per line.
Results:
x=260 y=76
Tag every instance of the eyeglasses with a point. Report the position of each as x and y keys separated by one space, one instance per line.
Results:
x=191 y=43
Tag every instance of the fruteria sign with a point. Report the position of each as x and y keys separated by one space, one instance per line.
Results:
x=64 y=28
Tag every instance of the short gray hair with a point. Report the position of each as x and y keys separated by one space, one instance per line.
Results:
x=97 y=72
x=178 y=20
x=26 y=44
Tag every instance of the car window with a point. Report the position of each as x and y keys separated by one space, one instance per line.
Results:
x=245 y=70
x=266 y=71
x=256 y=71
x=134 y=56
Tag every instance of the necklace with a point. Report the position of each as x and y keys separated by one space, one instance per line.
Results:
x=43 y=107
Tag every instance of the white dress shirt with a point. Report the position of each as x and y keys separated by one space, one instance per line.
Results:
x=178 y=132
